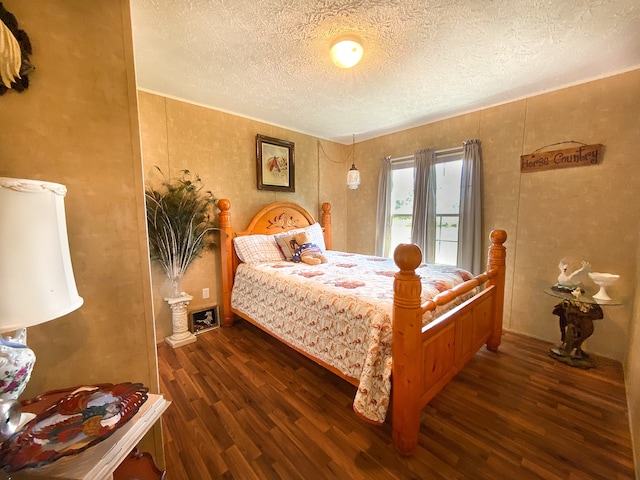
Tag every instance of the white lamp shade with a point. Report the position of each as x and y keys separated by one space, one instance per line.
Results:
x=36 y=276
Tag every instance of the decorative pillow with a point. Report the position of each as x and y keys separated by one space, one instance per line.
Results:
x=257 y=249
x=283 y=240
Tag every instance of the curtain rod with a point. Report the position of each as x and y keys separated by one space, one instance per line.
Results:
x=440 y=153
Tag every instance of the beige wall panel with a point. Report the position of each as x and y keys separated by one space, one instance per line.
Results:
x=501 y=135
x=77 y=125
x=580 y=213
x=153 y=134
x=334 y=161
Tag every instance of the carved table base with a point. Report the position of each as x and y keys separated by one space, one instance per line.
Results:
x=576 y=325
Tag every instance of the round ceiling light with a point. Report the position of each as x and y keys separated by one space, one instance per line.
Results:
x=346 y=51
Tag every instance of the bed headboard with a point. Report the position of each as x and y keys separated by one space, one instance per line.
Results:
x=274 y=218
x=278 y=217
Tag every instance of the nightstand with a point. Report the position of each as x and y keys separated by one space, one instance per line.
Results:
x=576 y=314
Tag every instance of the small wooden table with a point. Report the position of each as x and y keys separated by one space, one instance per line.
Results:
x=576 y=315
x=103 y=459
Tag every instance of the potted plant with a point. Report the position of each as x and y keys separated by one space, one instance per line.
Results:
x=180 y=227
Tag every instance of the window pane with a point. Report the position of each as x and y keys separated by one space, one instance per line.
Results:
x=401 y=204
x=447 y=210
x=400 y=231
x=402 y=191
x=448 y=187
x=446 y=253
x=447 y=239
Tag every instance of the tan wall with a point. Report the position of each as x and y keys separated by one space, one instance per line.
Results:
x=221 y=149
x=77 y=125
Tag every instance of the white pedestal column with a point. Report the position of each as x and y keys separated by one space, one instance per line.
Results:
x=181 y=334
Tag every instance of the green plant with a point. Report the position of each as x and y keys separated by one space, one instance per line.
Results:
x=180 y=223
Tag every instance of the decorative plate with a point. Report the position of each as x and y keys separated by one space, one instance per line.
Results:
x=77 y=421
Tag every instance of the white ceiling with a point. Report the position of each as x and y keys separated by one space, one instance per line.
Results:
x=424 y=60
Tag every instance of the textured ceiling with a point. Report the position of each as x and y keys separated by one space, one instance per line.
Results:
x=424 y=60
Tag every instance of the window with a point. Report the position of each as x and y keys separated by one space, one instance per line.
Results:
x=447 y=208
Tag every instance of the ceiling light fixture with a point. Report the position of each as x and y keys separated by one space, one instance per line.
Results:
x=346 y=51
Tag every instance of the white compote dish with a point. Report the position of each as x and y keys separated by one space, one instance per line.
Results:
x=603 y=280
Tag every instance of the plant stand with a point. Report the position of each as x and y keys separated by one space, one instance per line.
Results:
x=181 y=335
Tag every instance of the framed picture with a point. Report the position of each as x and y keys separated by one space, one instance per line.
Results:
x=275 y=164
x=203 y=320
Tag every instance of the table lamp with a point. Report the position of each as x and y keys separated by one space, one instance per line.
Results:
x=36 y=276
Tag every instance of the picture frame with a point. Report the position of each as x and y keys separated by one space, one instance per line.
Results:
x=275 y=164
x=203 y=320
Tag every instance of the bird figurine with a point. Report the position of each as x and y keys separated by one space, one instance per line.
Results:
x=571 y=281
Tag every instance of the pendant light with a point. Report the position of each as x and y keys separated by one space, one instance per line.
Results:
x=353 y=176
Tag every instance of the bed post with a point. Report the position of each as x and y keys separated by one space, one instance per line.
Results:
x=326 y=224
x=407 y=330
x=497 y=255
x=226 y=258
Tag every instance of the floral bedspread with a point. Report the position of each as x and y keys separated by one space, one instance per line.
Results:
x=339 y=312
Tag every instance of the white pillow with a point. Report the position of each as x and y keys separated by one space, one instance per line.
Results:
x=315 y=235
x=315 y=232
x=257 y=249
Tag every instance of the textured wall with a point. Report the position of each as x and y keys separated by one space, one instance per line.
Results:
x=221 y=148
x=77 y=125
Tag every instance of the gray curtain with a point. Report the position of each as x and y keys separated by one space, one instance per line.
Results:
x=423 y=229
x=470 y=227
x=382 y=230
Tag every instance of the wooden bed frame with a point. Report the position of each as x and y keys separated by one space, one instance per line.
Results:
x=424 y=358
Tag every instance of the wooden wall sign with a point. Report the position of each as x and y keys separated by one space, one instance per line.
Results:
x=569 y=157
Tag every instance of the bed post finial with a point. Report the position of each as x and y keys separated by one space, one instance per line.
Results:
x=497 y=262
x=326 y=224
x=226 y=258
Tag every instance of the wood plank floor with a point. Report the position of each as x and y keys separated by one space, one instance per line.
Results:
x=247 y=407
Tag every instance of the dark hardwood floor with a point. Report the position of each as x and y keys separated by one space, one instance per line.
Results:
x=247 y=407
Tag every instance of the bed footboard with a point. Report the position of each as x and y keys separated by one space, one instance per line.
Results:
x=426 y=358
